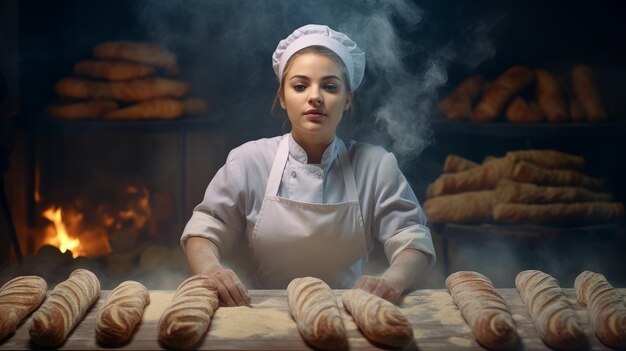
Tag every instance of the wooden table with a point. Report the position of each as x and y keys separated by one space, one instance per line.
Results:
x=266 y=325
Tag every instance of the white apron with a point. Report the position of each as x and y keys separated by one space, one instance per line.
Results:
x=294 y=239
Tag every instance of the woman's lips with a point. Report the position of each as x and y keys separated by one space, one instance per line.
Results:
x=314 y=114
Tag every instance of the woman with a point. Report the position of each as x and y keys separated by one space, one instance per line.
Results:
x=309 y=203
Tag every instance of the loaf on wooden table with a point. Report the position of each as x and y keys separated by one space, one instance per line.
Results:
x=606 y=308
x=483 y=177
x=378 y=319
x=314 y=308
x=553 y=315
x=548 y=158
x=188 y=316
x=120 y=313
x=473 y=206
x=508 y=191
x=19 y=297
x=66 y=306
x=573 y=213
x=458 y=105
x=456 y=163
x=527 y=172
x=484 y=309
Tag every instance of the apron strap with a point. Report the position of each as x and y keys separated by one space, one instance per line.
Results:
x=276 y=174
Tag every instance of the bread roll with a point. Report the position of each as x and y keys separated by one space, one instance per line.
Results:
x=458 y=105
x=483 y=177
x=473 y=206
x=508 y=191
x=131 y=90
x=143 y=52
x=548 y=158
x=586 y=92
x=483 y=309
x=499 y=92
x=456 y=163
x=561 y=214
x=520 y=111
x=378 y=319
x=526 y=172
x=606 y=308
x=78 y=110
x=555 y=319
x=18 y=298
x=188 y=316
x=550 y=96
x=120 y=313
x=314 y=309
x=66 y=306
x=112 y=70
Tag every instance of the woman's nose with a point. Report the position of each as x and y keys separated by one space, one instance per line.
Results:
x=315 y=98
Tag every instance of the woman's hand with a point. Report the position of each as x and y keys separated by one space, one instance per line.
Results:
x=380 y=287
x=230 y=289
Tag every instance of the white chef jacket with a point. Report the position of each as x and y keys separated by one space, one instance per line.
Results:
x=391 y=213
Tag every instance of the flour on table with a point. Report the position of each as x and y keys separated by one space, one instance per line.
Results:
x=460 y=341
x=159 y=300
x=242 y=322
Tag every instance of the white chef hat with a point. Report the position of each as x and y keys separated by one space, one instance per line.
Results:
x=315 y=34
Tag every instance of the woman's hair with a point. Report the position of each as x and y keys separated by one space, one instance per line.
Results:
x=318 y=50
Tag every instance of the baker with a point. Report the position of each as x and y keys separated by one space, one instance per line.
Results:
x=308 y=202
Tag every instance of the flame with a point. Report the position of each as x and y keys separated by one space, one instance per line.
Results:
x=62 y=238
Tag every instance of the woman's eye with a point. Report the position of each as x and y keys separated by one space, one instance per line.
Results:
x=299 y=87
x=330 y=87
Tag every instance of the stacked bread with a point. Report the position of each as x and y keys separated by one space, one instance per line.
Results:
x=525 y=95
x=545 y=187
x=125 y=80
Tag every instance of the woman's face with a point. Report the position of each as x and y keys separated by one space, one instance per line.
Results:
x=315 y=97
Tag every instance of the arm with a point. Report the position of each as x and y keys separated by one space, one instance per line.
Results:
x=203 y=257
x=401 y=275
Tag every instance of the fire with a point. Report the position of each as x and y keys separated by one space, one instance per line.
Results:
x=62 y=238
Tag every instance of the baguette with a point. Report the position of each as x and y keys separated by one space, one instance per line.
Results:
x=188 y=316
x=378 y=319
x=112 y=70
x=586 y=92
x=131 y=90
x=314 y=309
x=458 y=105
x=483 y=177
x=606 y=308
x=550 y=96
x=508 y=191
x=499 y=92
x=78 y=110
x=120 y=313
x=473 y=206
x=553 y=315
x=484 y=309
x=548 y=158
x=566 y=214
x=66 y=306
x=456 y=163
x=526 y=172
x=520 y=111
x=18 y=298
x=143 y=52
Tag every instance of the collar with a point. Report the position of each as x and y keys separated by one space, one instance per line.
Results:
x=297 y=153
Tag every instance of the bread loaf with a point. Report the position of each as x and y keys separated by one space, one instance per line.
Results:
x=576 y=111
x=162 y=108
x=188 y=316
x=456 y=163
x=508 y=191
x=499 y=92
x=606 y=308
x=483 y=309
x=561 y=213
x=586 y=92
x=314 y=309
x=458 y=105
x=131 y=90
x=527 y=172
x=378 y=319
x=18 y=298
x=546 y=158
x=66 y=306
x=143 y=52
x=112 y=70
x=555 y=319
x=550 y=96
x=520 y=111
x=120 y=313
x=78 y=110
x=473 y=206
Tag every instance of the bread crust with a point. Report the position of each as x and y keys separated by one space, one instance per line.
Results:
x=455 y=163
x=499 y=92
x=473 y=206
x=550 y=96
x=18 y=298
x=483 y=177
x=316 y=313
x=526 y=172
x=484 y=310
x=546 y=158
x=121 y=312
